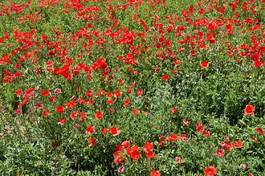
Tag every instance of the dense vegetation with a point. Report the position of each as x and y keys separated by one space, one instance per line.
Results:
x=136 y=87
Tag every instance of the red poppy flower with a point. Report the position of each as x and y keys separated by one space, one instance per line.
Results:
x=229 y=29
x=135 y=111
x=126 y=102
x=199 y=127
x=133 y=152
x=172 y=138
x=140 y=92
x=227 y=146
x=125 y=144
x=70 y=104
x=18 y=112
x=206 y=133
x=104 y=130
x=114 y=131
x=165 y=77
x=210 y=171
x=90 y=129
x=52 y=99
x=183 y=137
x=82 y=116
x=109 y=101
x=62 y=121
x=150 y=155
x=148 y=149
x=60 y=109
x=45 y=113
x=58 y=91
x=74 y=115
x=204 y=64
x=121 y=82
x=220 y=152
x=92 y=141
x=260 y=131
x=258 y=63
x=19 y=93
x=45 y=93
x=118 y=157
x=89 y=93
x=238 y=144
x=155 y=173
x=179 y=160
x=249 y=110
x=117 y=94
x=148 y=146
x=176 y=62
x=99 y=64
x=174 y=109
x=99 y=115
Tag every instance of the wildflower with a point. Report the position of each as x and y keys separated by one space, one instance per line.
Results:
x=82 y=116
x=148 y=149
x=45 y=113
x=118 y=157
x=206 y=133
x=60 y=109
x=210 y=171
x=220 y=152
x=62 y=121
x=140 y=92
x=58 y=91
x=99 y=115
x=133 y=152
x=174 y=109
x=199 y=127
x=92 y=141
x=165 y=77
x=99 y=64
x=52 y=99
x=249 y=110
x=90 y=129
x=73 y=115
x=114 y=131
x=121 y=169
x=126 y=102
x=45 y=93
x=172 y=138
x=135 y=111
x=19 y=93
x=179 y=160
x=238 y=144
x=125 y=144
x=104 y=130
x=260 y=131
x=155 y=173
x=204 y=64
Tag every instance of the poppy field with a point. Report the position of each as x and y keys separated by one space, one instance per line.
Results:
x=132 y=87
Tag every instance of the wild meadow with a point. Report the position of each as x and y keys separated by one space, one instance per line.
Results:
x=132 y=87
